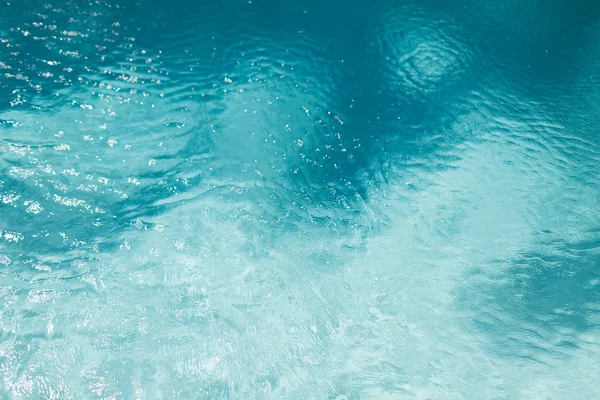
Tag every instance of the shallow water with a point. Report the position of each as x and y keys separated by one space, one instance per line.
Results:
x=272 y=199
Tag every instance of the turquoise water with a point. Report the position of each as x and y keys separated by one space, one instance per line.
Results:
x=299 y=200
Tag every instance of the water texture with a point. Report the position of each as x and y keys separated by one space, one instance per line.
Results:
x=299 y=200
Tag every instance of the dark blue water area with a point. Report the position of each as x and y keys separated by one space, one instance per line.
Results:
x=280 y=199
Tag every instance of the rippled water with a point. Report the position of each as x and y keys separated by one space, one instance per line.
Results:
x=275 y=199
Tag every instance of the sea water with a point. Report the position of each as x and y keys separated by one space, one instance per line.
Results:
x=284 y=199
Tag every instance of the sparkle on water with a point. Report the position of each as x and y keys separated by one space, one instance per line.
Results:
x=295 y=200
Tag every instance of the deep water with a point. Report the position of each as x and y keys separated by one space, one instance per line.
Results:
x=270 y=199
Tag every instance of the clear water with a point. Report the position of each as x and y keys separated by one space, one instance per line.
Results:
x=280 y=199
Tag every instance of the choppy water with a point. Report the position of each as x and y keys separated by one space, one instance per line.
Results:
x=320 y=199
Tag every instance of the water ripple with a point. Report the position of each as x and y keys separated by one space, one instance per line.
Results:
x=422 y=55
x=398 y=200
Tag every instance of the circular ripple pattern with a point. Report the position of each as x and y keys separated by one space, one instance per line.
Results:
x=257 y=199
x=422 y=55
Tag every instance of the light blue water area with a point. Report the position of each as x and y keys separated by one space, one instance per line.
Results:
x=299 y=200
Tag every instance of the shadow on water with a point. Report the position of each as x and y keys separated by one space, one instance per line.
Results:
x=542 y=304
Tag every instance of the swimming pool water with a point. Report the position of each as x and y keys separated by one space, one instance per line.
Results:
x=280 y=199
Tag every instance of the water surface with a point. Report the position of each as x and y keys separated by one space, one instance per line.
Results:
x=278 y=199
